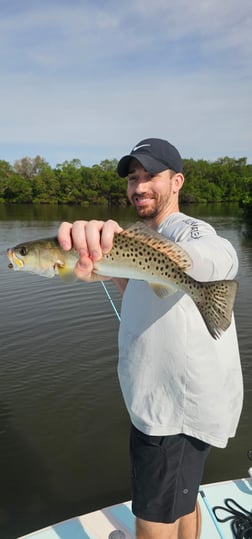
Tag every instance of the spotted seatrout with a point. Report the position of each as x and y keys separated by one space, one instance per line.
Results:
x=138 y=252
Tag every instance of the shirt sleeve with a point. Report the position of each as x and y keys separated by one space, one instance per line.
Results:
x=213 y=257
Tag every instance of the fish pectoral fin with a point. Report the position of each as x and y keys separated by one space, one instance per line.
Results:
x=64 y=272
x=162 y=291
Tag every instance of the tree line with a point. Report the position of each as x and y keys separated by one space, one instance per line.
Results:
x=33 y=180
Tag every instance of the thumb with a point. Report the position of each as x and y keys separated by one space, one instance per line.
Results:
x=84 y=268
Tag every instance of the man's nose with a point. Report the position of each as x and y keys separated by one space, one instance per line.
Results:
x=141 y=183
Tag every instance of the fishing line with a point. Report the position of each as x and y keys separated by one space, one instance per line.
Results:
x=211 y=513
x=111 y=301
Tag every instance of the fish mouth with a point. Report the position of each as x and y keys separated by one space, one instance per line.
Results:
x=14 y=260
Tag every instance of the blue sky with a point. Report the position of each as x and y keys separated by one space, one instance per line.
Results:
x=89 y=79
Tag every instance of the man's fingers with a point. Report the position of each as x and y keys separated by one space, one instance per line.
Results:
x=79 y=239
x=109 y=229
x=65 y=235
x=92 y=238
x=99 y=237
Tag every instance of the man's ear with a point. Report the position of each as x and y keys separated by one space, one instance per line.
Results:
x=178 y=180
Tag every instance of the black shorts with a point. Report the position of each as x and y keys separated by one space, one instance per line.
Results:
x=166 y=474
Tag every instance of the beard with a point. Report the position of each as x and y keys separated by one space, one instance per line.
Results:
x=147 y=214
x=151 y=211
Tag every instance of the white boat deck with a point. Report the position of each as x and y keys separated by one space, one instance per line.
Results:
x=100 y=524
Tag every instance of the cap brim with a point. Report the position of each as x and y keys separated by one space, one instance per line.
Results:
x=149 y=163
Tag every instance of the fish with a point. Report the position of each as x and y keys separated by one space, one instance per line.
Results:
x=138 y=252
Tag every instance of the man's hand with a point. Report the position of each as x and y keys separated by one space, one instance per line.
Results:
x=91 y=239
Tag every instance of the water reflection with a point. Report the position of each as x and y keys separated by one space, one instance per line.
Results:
x=47 y=213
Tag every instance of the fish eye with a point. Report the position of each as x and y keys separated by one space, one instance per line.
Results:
x=23 y=250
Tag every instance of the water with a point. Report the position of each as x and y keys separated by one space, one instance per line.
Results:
x=63 y=426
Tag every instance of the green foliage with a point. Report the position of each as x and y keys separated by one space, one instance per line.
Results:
x=32 y=180
x=18 y=190
x=220 y=181
x=246 y=198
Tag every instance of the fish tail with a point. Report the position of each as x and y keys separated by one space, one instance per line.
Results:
x=216 y=305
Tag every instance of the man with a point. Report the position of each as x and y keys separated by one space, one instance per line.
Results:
x=182 y=388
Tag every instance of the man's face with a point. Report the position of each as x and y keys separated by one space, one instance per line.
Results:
x=153 y=196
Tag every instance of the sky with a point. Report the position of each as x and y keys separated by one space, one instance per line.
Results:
x=89 y=79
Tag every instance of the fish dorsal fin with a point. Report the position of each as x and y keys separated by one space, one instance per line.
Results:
x=160 y=243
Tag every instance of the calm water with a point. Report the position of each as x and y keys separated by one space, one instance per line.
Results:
x=63 y=426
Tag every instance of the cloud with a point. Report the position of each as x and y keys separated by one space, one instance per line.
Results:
x=90 y=79
x=63 y=36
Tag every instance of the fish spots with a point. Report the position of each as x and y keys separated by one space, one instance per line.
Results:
x=137 y=253
x=148 y=239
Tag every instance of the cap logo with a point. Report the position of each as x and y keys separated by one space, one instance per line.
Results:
x=141 y=146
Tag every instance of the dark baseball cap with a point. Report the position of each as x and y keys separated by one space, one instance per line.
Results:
x=154 y=154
